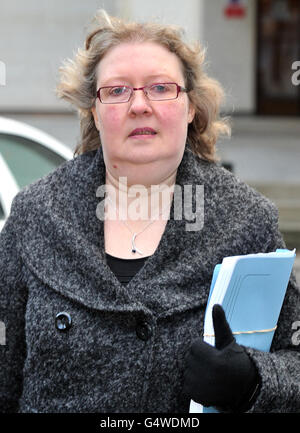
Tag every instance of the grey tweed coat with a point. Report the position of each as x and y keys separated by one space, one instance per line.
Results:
x=122 y=349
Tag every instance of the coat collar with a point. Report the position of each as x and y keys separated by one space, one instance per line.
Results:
x=63 y=244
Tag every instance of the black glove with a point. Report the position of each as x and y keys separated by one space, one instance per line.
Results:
x=222 y=376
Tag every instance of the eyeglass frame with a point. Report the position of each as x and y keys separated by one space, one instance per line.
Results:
x=133 y=89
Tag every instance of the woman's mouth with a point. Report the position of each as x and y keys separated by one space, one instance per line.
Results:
x=142 y=131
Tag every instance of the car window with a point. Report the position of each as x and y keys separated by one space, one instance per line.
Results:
x=27 y=160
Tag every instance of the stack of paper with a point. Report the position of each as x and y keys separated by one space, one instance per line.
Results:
x=251 y=290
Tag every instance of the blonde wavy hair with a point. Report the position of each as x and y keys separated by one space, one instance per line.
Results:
x=78 y=80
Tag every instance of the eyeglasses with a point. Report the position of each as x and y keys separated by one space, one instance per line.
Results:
x=154 y=92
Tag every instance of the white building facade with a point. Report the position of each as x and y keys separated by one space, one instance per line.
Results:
x=36 y=36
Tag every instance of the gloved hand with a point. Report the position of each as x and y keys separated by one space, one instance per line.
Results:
x=223 y=376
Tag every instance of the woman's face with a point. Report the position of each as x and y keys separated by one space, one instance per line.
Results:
x=137 y=65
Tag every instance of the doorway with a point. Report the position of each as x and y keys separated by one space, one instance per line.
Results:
x=278 y=47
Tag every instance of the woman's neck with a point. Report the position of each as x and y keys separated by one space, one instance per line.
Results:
x=138 y=202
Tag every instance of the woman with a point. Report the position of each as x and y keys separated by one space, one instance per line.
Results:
x=102 y=307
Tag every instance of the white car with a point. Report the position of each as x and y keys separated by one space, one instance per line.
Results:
x=26 y=154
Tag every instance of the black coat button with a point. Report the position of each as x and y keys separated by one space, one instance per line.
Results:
x=143 y=330
x=63 y=321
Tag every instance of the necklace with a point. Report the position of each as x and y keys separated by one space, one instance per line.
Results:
x=134 y=248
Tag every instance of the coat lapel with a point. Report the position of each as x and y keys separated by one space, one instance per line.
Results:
x=63 y=244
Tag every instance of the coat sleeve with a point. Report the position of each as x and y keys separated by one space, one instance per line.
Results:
x=280 y=368
x=13 y=298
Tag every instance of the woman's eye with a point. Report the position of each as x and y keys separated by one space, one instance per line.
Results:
x=159 y=88
x=117 y=91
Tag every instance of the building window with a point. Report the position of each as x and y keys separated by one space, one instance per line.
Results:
x=278 y=47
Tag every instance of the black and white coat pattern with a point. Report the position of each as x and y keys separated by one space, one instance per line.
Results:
x=125 y=348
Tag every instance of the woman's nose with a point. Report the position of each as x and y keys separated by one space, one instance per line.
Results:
x=139 y=103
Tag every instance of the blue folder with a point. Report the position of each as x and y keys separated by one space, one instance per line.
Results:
x=255 y=286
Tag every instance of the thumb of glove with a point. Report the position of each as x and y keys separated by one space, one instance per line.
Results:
x=223 y=333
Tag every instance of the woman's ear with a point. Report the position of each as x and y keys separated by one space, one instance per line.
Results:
x=96 y=117
x=191 y=113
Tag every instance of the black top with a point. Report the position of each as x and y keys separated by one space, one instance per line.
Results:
x=125 y=269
